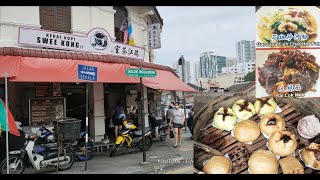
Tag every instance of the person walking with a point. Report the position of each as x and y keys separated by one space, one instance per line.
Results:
x=189 y=122
x=177 y=121
x=117 y=118
x=169 y=113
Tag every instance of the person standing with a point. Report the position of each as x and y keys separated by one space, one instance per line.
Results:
x=189 y=121
x=177 y=121
x=117 y=118
x=169 y=113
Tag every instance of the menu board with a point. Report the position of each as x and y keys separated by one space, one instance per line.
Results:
x=43 y=89
x=287 y=51
x=45 y=110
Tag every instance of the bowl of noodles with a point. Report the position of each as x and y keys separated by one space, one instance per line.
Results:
x=288 y=24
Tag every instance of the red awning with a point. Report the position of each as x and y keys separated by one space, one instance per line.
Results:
x=165 y=80
x=34 y=69
x=9 y=65
x=31 y=69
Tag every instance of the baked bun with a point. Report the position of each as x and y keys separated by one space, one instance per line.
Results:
x=243 y=109
x=309 y=127
x=246 y=131
x=311 y=155
x=224 y=119
x=265 y=106
x=271 y=123
x=291 y=165
x=217 y=165
x=282 y=143
x=263 y=162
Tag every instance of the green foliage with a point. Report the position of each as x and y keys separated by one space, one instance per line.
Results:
x=250 y=76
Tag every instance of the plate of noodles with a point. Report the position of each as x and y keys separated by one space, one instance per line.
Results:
x=299 y=21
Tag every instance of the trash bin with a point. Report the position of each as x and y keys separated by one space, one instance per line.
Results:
x=68 y=129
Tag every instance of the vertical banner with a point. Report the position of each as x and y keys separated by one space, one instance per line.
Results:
x=287 y=51
x=154 y=41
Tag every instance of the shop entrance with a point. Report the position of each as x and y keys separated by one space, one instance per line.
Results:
x=75 y=94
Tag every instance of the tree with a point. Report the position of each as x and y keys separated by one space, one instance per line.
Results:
x=250 y=76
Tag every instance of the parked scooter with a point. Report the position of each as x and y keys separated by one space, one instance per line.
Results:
x=131 y=137
x=159 y=127
x=37 y=155
x=47 y=136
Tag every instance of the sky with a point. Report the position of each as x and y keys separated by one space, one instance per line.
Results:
x=190 y=31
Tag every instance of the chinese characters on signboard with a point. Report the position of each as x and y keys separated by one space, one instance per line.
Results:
x=287 y=51
x=97 y=40
x=154 y=41
x=125 y=50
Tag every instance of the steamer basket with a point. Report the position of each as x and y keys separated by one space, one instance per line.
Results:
x=207 y=136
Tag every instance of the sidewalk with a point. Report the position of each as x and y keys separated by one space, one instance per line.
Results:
x=160 y=156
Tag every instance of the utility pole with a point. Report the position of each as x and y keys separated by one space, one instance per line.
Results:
x=7 y=121
x=182 y=62
x=87 y=124
x=144 y=158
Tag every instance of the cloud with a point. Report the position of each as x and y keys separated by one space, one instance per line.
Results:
x=190 y=31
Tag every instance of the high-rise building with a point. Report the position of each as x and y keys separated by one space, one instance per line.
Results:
x=211 y=65
x=246 y=51
x=187 y=71
x=246 y=56
x=197 y=71
x=231 y=61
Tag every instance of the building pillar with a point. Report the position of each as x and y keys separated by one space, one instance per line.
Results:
x=145 y=105
x=97 y=114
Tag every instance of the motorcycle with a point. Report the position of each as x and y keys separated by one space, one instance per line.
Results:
x=39 y=155
x=131 y=137
x=79 y=145
x=80 y=148
x=159 y=127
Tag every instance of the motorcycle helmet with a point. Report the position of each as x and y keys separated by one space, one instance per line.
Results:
x=51 y=138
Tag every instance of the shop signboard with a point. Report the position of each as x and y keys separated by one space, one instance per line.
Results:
x=88 y=73
x=97 y=40
x=43 y=89
x=154 y=40
x=45 y=110
x=136 y=72
x=287 y=51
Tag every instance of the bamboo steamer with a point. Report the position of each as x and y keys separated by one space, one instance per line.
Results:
x=211 y=141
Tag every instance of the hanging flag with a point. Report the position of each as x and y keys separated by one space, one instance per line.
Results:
x=124 y=29
x=131 y=39
x=125 y=37
x=3 y=121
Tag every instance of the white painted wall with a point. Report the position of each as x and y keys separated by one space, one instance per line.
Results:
x=11 y=17
x=83 y=18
